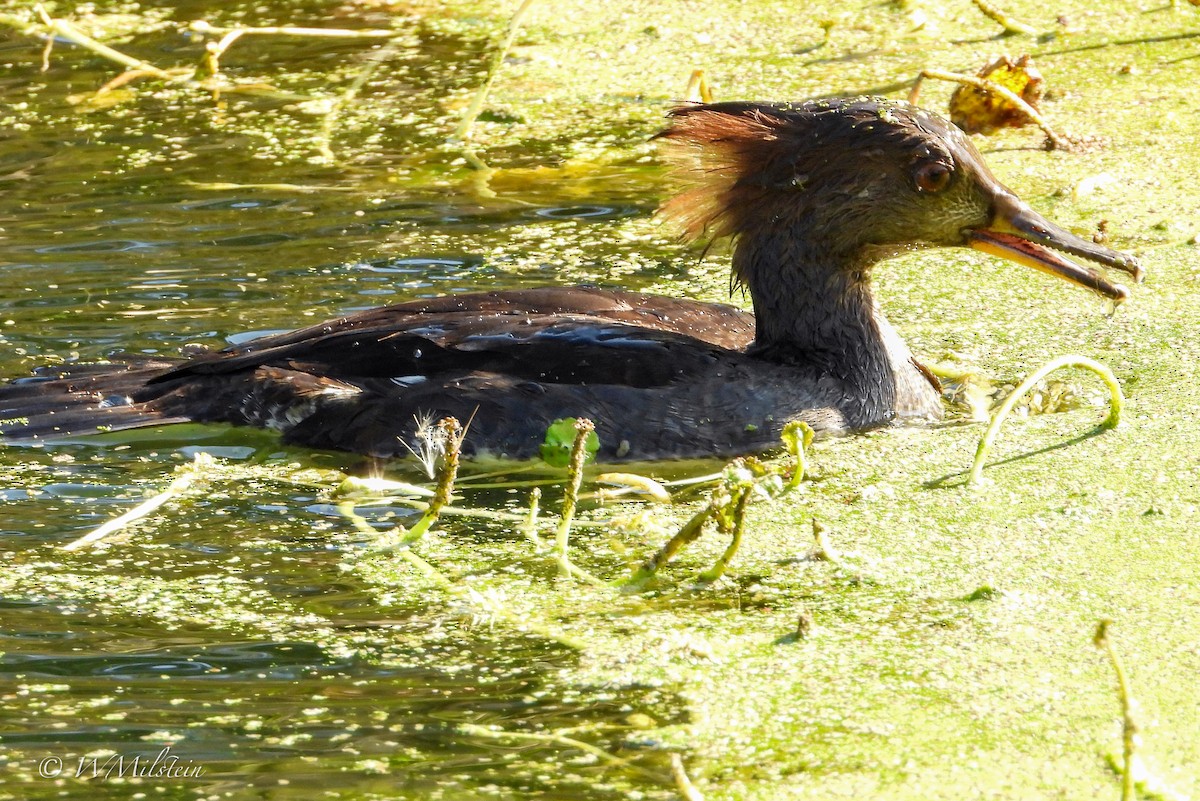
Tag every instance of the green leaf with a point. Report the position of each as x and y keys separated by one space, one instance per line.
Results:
x=560 y=437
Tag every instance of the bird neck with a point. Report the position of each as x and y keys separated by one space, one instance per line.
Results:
x=816 y=311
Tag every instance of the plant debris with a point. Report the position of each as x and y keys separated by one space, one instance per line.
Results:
x=978 y=110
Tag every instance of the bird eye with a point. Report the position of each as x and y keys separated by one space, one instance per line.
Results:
x=932 y=176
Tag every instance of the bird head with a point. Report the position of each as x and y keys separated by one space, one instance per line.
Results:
x=851 y=181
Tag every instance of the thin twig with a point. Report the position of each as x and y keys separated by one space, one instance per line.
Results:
x=1009 y=24
x=682 y=783
x=200 y=26
x=187 y=474
x=555 y=739
x=463 y=131
x=72 y=34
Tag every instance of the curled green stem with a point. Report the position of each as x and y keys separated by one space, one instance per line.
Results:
x=1116 y=401
x=797 y=437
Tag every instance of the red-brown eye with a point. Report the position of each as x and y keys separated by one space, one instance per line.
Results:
x=932 y=176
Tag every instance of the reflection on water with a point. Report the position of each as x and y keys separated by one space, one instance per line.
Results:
x=170 y=220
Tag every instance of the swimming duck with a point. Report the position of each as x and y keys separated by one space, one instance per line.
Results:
x=812 y=194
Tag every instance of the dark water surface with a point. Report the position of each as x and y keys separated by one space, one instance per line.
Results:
x=229 y=629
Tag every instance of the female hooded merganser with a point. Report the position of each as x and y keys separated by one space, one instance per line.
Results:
x=812 y=194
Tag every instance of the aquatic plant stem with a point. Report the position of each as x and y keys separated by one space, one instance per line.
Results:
x=734 y=528
x=187 y=474
x=1116 y=401
x=1129 y=726
x=426 y=569
x=690 y=532
x=469 y=594
x=453 y=433
x=529 y=529
x=698 y=90
x=325 y=135
x=583 y=427
x=727 y=504
x=463 y=131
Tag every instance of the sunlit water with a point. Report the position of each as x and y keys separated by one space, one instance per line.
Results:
x=172 y=218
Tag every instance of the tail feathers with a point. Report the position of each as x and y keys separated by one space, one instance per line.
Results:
x=81 y=399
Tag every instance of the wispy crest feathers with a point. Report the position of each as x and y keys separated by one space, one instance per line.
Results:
x=713 y=149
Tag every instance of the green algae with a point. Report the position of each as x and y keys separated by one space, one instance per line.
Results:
x=962 y=668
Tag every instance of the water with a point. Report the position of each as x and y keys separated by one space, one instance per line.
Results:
x=229 y=628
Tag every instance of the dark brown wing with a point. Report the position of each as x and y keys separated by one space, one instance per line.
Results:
x=515 y=361
x=455 y=332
